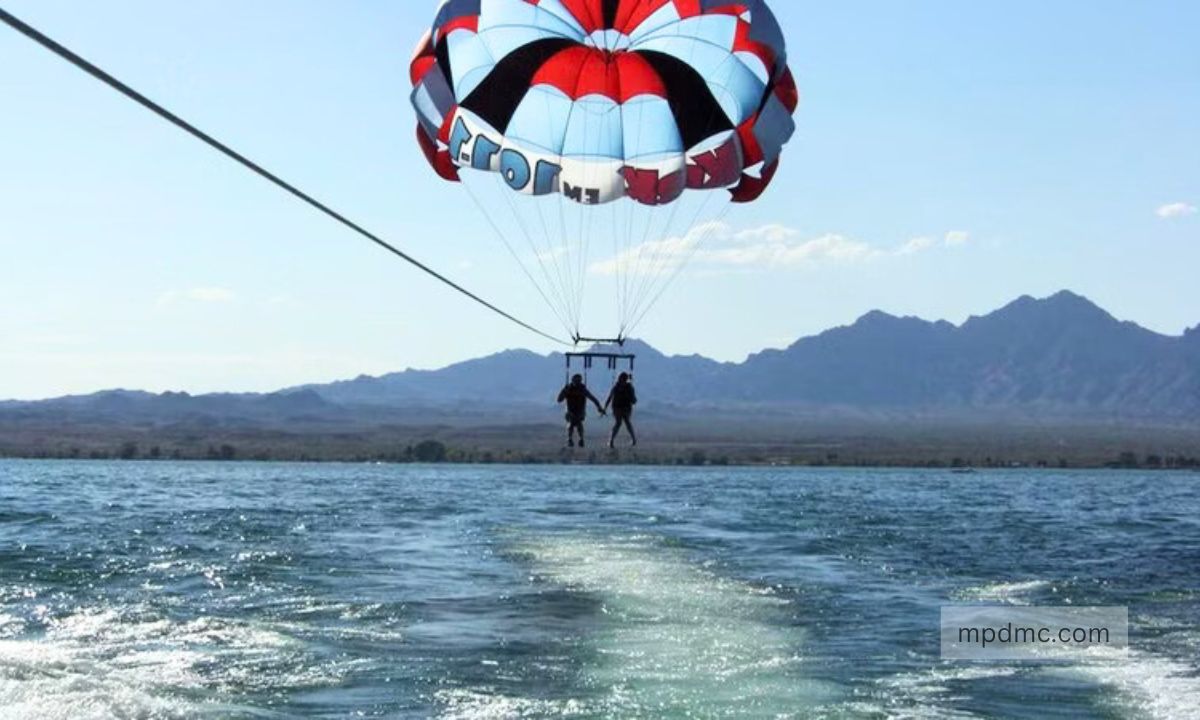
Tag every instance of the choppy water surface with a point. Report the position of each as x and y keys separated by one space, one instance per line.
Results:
x=272 y=591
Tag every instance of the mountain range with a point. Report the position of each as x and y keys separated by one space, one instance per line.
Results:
x=1061 y=356
x=1056 y=357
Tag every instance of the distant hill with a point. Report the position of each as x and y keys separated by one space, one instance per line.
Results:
x=1058 y=357
x=524 y=377
x=1061 y=356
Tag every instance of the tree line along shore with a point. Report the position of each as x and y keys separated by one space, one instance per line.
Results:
x=461 y=449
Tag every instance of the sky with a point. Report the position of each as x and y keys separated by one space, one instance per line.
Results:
x=949 y=157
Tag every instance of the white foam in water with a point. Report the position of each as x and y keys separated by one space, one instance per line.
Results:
x=98 y=664
x=10 y=625
x=1144 y=686
x=1010 y=593
x=1148 y=685
x=53 y=679
x=474 y=705
x=673 y=640
x=928 y=695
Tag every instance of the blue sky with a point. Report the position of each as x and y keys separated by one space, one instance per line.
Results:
x=950 y=156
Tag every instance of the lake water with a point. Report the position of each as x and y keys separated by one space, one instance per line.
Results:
x=273 y=591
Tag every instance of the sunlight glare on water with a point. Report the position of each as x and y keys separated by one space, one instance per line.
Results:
x=677 y=639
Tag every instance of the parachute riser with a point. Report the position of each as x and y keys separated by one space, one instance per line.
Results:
x=587 y=361
x=619 y=342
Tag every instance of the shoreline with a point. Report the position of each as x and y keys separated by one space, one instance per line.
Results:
x=879 y=444
x=621 y=460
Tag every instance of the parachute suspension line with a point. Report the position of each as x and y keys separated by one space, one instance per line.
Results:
x=622 y=258
x=662 y=247
x=556 y=249
x=633 y=212
x=587 y=214
x=617 y=270
x=561 y=259
x=648 y=215
x=565 y=264
x=580 y=263
x=587 y=229
x=554 y=252
x=627 y=248
x=537 y=252
x=652 y=246
x=104 y=77
x=586 y=222
x=651 y=215
x=631 y=254
x=564 y=231
x=637 y=214
x=585 y=241
x=662 y=273
x=517 y=257
x=542 y=242
x=661 y=266
x=712 y=228
x=637 y=253
x=584 y=218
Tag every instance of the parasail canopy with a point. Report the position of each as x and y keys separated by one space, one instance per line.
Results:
x=596 y=102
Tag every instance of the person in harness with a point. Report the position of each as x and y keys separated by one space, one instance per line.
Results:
x=622 y=398
x=576 y=396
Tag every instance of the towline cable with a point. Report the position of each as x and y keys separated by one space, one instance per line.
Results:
x=96 y=72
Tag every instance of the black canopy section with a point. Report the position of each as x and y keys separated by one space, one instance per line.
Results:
x=697 y=113
x=497 y=97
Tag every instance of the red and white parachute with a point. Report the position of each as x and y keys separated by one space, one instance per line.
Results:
x=619 y=128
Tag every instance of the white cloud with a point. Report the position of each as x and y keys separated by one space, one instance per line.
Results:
x=549 y=255
x=772 y=233
x=954 y=238
x=1176 y=210
x=202 y=295
x=789 y=252
x=775 y=246
x=957 y=238
x=717 y=244
x=916 y=245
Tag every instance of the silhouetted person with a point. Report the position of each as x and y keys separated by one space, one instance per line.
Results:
x=622 y=398
x=576 y=396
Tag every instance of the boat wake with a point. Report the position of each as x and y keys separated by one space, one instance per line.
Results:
x=673 y=638
x=1144 y=685
x=105 y=663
